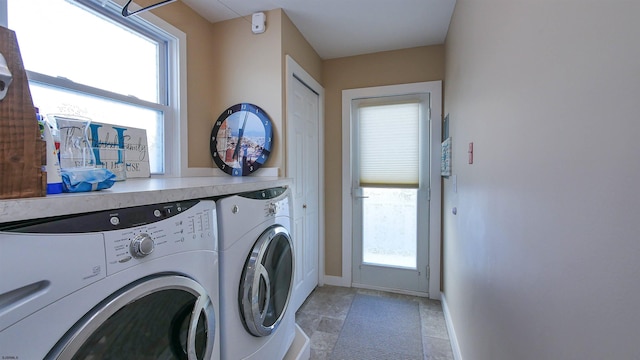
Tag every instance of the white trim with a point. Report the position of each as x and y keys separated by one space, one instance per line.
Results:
x=347 y=201
x=178 y=160
x=176 y=157
x=434 y=88
x=455 y=346
x=294 y=70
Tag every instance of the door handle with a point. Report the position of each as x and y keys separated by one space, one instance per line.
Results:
x=360 y=197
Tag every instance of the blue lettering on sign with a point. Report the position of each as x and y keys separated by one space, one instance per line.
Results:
x=120 y=131
x=95 y=142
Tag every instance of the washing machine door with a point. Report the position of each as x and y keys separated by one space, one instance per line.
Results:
x=267 y=281
x=166 y=317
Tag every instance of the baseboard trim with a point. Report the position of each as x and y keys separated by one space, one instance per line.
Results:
x=455 y=347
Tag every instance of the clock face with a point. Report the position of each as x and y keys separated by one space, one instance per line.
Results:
x=241 y=139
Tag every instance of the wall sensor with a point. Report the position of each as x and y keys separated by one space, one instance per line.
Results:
x=258 y=23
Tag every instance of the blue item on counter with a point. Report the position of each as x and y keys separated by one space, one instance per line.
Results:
x=87 y=179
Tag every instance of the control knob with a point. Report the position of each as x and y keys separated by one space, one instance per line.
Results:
x=272 y=209
x=142 y=245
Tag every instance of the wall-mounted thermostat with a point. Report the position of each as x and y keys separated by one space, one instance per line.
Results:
x=258 y=23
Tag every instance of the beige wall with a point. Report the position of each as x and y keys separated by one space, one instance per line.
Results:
x=385 y=68
x=296 y=46
x=228 y=64
x=541 y=260
x=248 y=68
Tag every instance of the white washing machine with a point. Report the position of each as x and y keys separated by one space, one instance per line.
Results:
x=134 y=283
x=256 y=275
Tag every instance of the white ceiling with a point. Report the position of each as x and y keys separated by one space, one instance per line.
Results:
x=339 y=28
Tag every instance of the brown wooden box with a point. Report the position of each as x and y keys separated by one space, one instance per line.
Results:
x=22 y=152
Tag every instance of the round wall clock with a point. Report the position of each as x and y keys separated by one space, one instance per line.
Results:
x=241 y=139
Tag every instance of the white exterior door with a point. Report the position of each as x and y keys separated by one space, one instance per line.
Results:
x=391 y=193
x=303 y=166
x=353 y=194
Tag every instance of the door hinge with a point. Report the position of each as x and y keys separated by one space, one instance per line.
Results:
x=428 y=272
x=429 y=194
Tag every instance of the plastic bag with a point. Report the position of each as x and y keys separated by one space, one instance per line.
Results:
x=87 y=179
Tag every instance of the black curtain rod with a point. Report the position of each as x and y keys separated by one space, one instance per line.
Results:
x=126 y=13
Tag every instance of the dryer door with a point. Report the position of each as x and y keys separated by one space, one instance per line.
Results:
x=166 y=317
x=267 y=281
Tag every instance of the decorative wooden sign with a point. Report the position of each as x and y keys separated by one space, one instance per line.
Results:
x=134 y=141
x=22 y=151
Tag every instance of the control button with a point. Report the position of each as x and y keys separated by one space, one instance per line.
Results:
x=124 y=260
x=142 y=245
x=157 y=213
x=114 y=220
x=271 y=209
x=235 y=209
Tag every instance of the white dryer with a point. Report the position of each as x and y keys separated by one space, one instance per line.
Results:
x=133 y=283
x=256 y=275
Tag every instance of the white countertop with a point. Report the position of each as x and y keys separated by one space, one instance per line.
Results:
x=133 y=192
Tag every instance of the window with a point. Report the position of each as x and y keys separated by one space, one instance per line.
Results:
x=83 y=58
x=389 y=153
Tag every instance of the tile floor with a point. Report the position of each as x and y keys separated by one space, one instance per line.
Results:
x=323 y=313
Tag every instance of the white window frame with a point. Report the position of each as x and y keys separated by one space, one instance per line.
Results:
x=175 y=110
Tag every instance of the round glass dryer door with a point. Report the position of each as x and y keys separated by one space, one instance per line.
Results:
x=168 y=317
x=267 y=280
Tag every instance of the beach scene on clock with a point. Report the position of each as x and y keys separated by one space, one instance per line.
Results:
x=241 y=139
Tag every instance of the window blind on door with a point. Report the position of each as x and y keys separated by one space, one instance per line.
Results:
x=389 y=145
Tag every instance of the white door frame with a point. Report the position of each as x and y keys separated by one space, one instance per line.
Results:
x=295 y=72
x=434 y=88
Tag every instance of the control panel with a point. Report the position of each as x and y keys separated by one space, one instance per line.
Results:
x=277 y=207
x=187 y=229
x=273 y=202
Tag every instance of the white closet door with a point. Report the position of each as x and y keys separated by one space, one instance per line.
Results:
x=303 y=167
